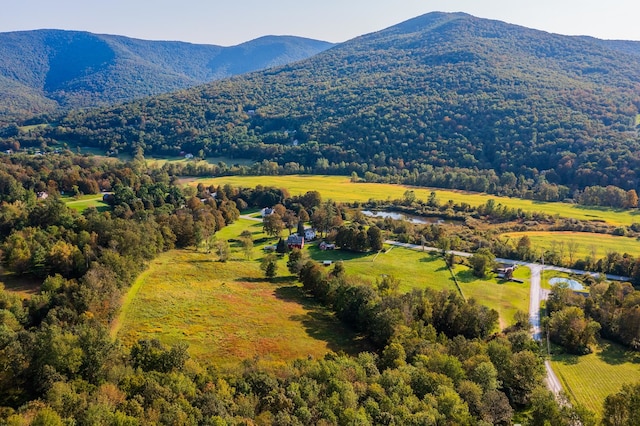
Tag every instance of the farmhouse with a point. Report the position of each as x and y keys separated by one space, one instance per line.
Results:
x=295 y=241
x=266 y=211
x=505 y=270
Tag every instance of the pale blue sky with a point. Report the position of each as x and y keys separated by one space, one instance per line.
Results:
x=226 y=22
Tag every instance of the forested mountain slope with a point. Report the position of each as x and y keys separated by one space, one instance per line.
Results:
x=46 y=69
x=440 y=89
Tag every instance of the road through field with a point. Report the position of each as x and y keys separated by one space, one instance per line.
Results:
x=537 y=294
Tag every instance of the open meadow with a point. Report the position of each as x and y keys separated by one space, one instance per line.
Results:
x=340 y=188
x=227 y=311
x=586 y=243
x=588 y=379
x=161 y=161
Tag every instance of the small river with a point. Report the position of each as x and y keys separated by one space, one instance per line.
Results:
x=402 y=216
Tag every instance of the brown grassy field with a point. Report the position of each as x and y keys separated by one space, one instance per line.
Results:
x=227 y=312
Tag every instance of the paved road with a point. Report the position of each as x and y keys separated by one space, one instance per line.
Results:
x=517 y=262
x=249 y=217
x=552 y=381
x=537 y=294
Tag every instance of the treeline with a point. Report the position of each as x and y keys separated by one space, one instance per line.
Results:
x=378 y=310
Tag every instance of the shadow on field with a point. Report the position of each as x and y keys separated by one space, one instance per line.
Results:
x=25 y=284
x=320 y=324
x=276 y=280
x=212 y=259
x=466 y=276
x=335 y=255
x=560 y=355
x=614 y=354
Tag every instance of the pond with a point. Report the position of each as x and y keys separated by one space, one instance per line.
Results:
x=402 y=216
x=573 y=284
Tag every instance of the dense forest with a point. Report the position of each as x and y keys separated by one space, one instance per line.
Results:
x=446 y=91
x=44 y=71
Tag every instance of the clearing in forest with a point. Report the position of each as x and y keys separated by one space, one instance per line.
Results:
x=227 y=312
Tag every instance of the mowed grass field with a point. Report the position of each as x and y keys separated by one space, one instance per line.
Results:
x=83 y=202
x=587 y=242
x=588 y=379
x=340 y=188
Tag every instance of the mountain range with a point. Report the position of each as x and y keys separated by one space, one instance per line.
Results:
x=445 y=90
x=47 y=70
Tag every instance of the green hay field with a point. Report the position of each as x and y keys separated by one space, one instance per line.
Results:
x=340 y=188
x=587 y=242
x=588 y=379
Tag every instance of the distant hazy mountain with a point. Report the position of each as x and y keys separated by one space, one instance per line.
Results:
x=447 y=90
x=43 y=70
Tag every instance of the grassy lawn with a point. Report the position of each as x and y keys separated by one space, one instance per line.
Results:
x=340 y=188
x=506 y=297
x=588 y=243
x=412 y=268
x=83 y=202
x=227 y=312
x=547 y=274
x=588 y=379
x=415 y=269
